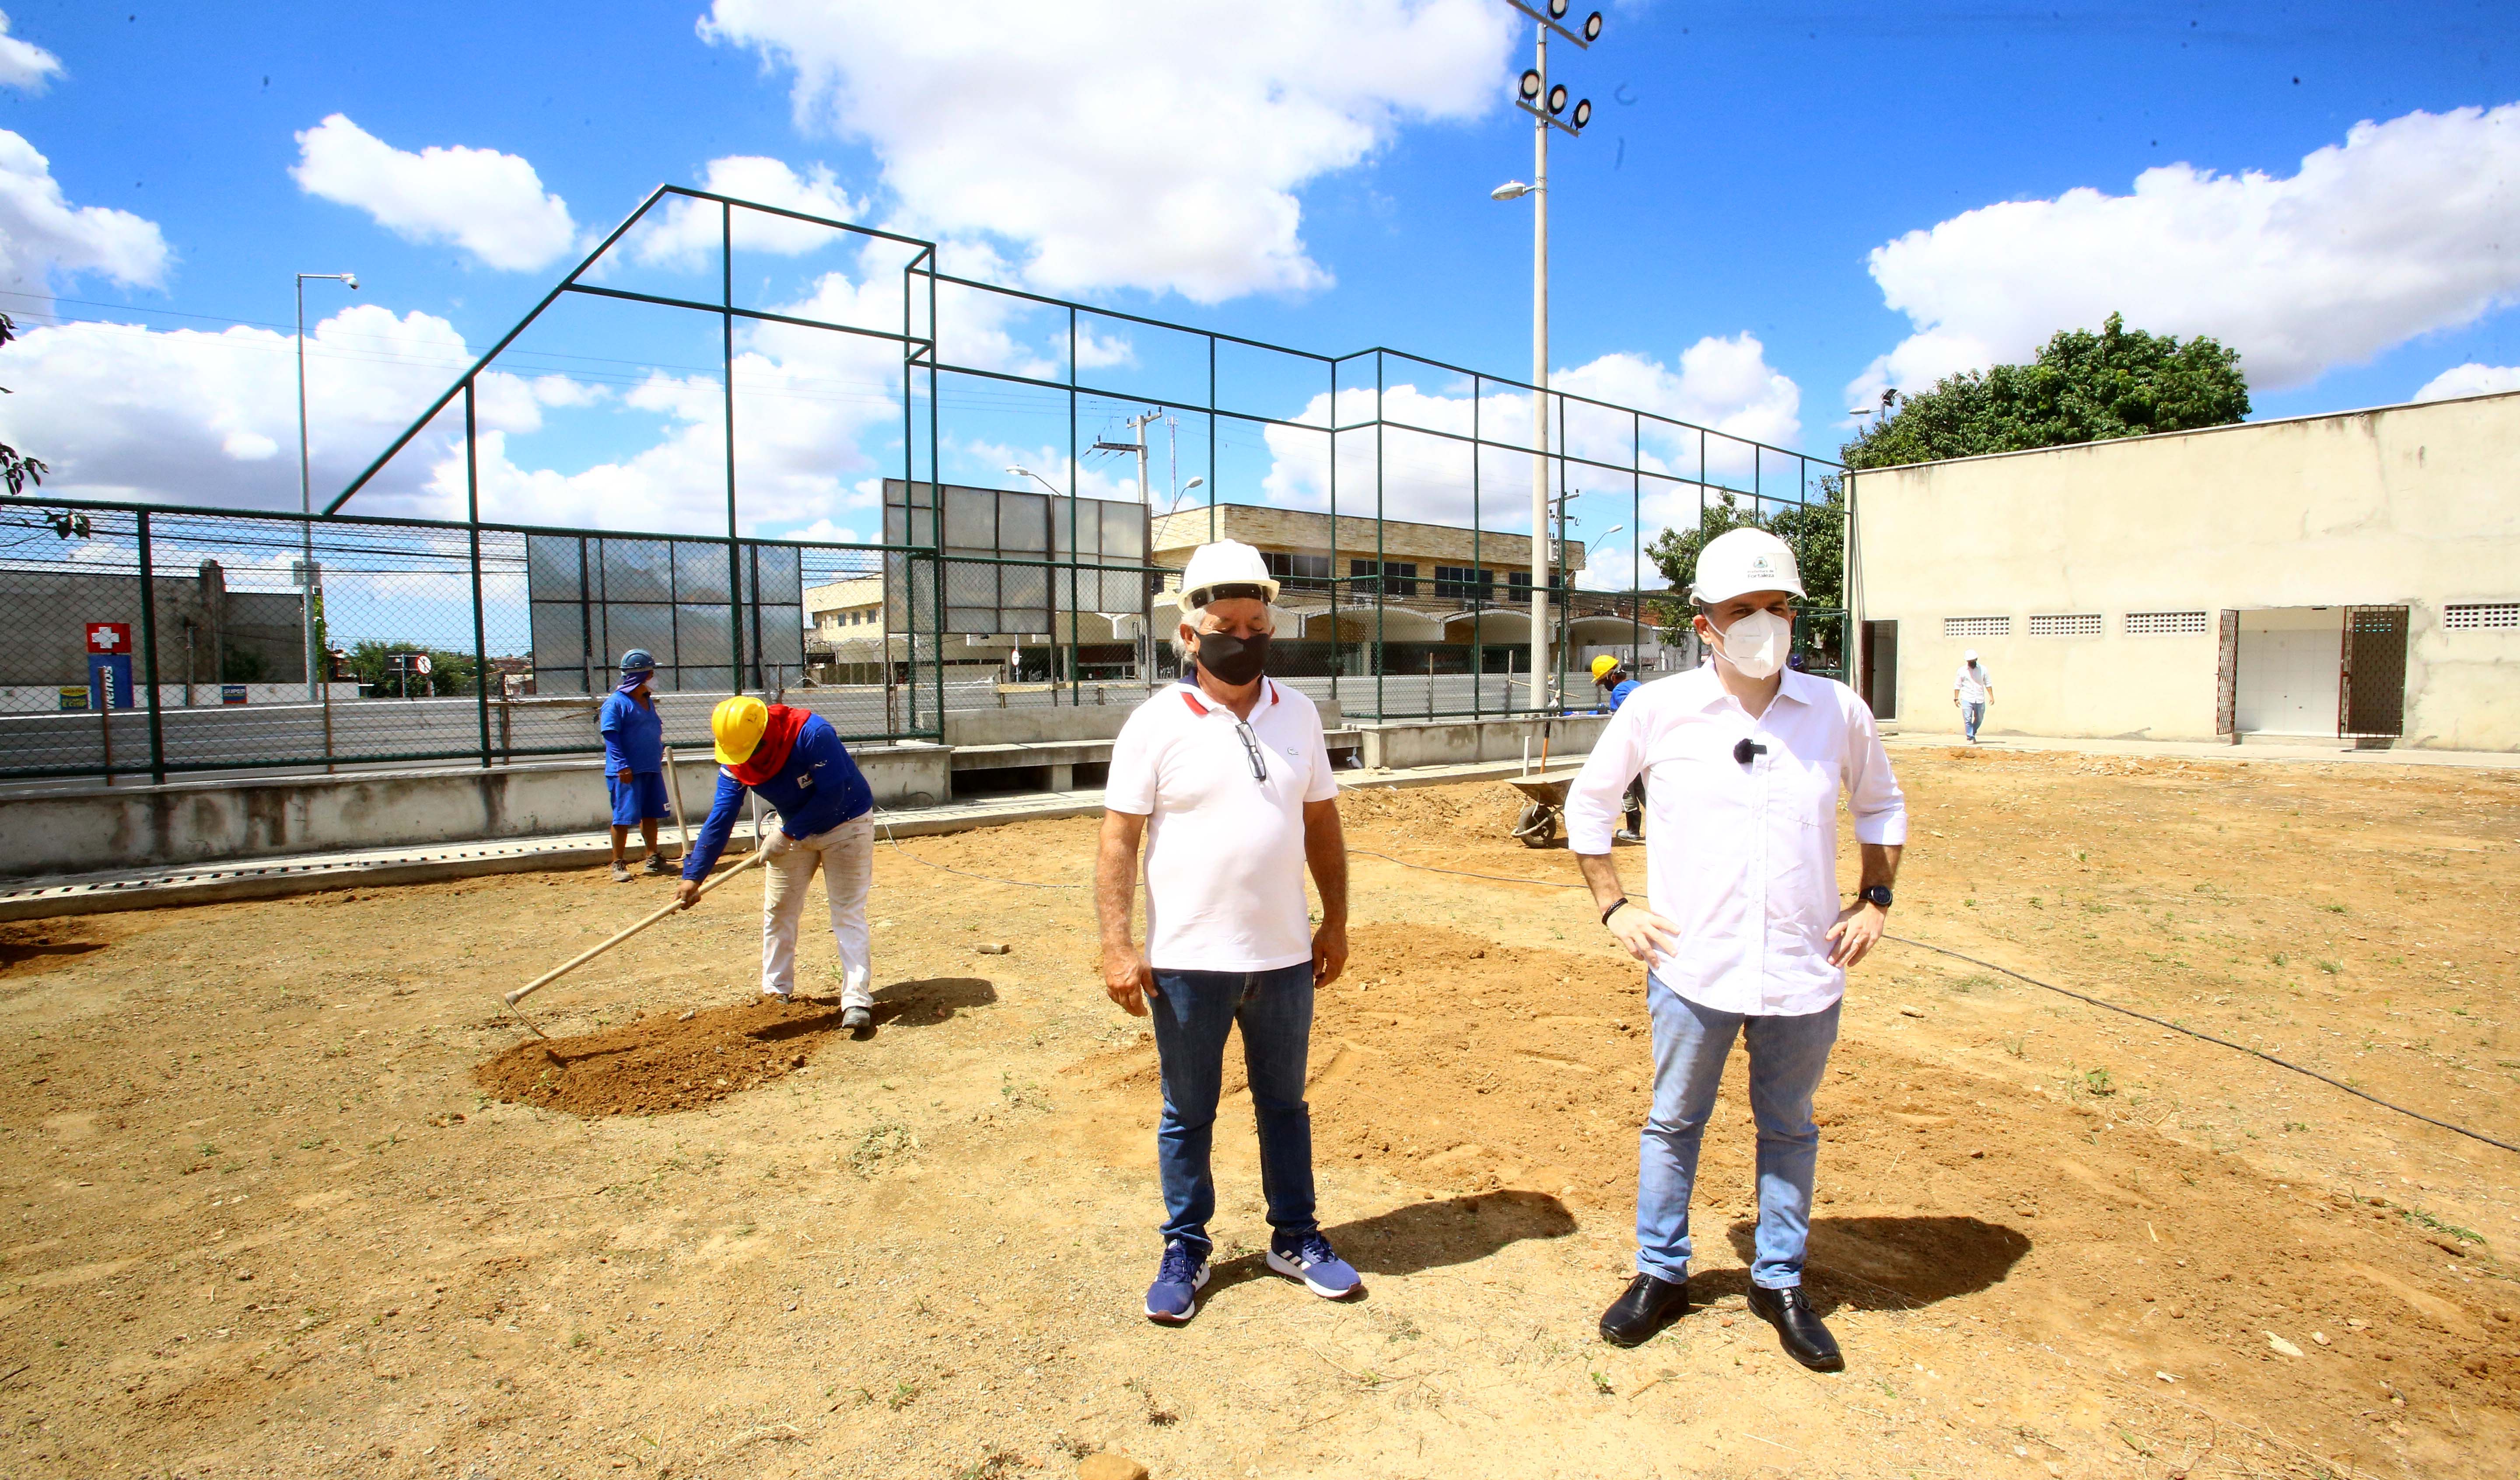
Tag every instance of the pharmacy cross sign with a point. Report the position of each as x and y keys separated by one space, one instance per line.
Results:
x=108 y=637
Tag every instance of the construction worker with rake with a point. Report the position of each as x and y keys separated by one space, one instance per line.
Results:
x=1742 y=931
x=793 y=760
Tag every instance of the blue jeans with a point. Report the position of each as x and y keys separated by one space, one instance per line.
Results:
x=1192 y=1012
x=1787 y=1056
x=1972 y=716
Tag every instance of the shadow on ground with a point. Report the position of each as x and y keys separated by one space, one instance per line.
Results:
x=1883 y=1263
x=1428 y=1236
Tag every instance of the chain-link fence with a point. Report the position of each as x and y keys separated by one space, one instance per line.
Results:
x=155 y=642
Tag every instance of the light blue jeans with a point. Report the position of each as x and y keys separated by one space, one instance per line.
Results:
x=1787 y=1056
x=1194 y=1011
x=1972 y=716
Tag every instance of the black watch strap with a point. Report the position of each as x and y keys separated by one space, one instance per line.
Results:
x=1877 y=895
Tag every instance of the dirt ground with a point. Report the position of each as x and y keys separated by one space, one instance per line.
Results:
x=285 y=1195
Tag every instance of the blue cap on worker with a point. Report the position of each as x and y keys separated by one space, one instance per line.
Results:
x=637 y=660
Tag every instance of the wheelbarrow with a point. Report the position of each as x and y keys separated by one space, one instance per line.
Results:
x=1544 y=803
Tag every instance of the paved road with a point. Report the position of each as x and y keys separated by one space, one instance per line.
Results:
x=278 y=739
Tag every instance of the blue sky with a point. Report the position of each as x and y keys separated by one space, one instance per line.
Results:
x=1309 y=173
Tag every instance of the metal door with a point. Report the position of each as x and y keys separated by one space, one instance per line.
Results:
x=1881 y=668
x=2372 y=689
x=2226 y=678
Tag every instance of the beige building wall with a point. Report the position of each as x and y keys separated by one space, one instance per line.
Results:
x=2406 y=506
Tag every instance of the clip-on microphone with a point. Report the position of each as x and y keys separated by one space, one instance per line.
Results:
x=1747 y=749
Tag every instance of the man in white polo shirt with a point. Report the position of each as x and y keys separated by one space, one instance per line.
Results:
x=1226 y=779
x=1742 y=930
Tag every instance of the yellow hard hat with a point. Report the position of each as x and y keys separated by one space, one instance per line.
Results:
x=1602 y=665
x=737 y=724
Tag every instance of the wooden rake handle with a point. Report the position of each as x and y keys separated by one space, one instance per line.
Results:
x=757 y=859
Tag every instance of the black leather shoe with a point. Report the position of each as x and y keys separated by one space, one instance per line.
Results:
x=1798 y=1328
x=1648 y=1305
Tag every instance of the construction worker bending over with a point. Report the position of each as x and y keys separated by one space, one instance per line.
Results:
x=1615 y=681
x=793 y=760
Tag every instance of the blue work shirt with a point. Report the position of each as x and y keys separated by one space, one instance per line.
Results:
x=1620 y=691
x=634 y=736
x=817 y=788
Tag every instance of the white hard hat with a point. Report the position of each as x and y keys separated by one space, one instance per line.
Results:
x=1969 y=656
x=1221 y=570
x=1744 y=559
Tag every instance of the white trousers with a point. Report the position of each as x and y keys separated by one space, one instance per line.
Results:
x=846 y=856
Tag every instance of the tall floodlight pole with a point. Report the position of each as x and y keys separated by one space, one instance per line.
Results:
x=1544 y=102
x=306 y=481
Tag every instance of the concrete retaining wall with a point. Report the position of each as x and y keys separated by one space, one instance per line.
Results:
x=198 y=822
x=1462 y=742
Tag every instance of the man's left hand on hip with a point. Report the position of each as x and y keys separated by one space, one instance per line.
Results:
x=1859 y=925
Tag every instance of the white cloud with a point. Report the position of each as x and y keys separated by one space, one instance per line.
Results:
x=1152 y=143
x=688 y=234
x=1723 y=384
x=22 y=63
x=124 y=411
x=43 y=235
x=492 y=204
x=2470 y=379
x=2401 y=230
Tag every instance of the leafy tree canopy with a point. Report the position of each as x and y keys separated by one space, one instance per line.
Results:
x=2083 y=388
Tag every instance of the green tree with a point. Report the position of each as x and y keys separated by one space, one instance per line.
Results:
x=1817 y=532
x=16 y=469
x=2083 y=388
x=371 y=662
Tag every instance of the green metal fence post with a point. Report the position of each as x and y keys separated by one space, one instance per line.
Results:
x=149 y=656
x=1478 y=566
x=472 y=518
x=734 y=552
x=1382 y=657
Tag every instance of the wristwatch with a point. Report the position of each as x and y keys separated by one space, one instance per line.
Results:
x=1877 y=895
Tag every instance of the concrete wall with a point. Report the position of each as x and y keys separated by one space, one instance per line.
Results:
x=1444 y=742
x=196 y=822
x=2406 y=506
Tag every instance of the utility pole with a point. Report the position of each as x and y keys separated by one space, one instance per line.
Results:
x=1137 y=423
x=1544 y=100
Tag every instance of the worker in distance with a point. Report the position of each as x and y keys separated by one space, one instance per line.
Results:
x=793 y=760
x=1224 y=779
x=1616 y=682
x=1742 y=930
x=634 y=762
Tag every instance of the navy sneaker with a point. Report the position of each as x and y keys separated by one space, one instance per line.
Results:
x=1174 y=1296
x=1310 y=1260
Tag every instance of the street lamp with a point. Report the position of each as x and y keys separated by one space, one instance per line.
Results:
x=1534 y=95
x=1025 y=472
x=305 y=485
x=1185 y=493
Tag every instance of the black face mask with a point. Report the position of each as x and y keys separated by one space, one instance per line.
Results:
x=1235 y=661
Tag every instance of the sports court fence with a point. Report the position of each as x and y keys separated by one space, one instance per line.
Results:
x=1393 y=495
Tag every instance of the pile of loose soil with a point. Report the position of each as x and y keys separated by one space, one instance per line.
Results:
x=656 y=1063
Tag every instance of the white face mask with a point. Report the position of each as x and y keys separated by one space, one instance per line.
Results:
x=1755 y=644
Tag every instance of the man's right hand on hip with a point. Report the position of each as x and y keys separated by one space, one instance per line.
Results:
x=1644 y=933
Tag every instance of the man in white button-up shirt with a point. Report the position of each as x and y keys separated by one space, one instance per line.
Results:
x=1743 y=928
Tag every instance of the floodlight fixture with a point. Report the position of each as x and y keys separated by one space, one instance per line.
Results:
x=1592 y=27
x=1557 y=98
x=350 y=280
x=1557 y=10
x=1531 y=82
x=1511 y=190
x=1583 y=113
